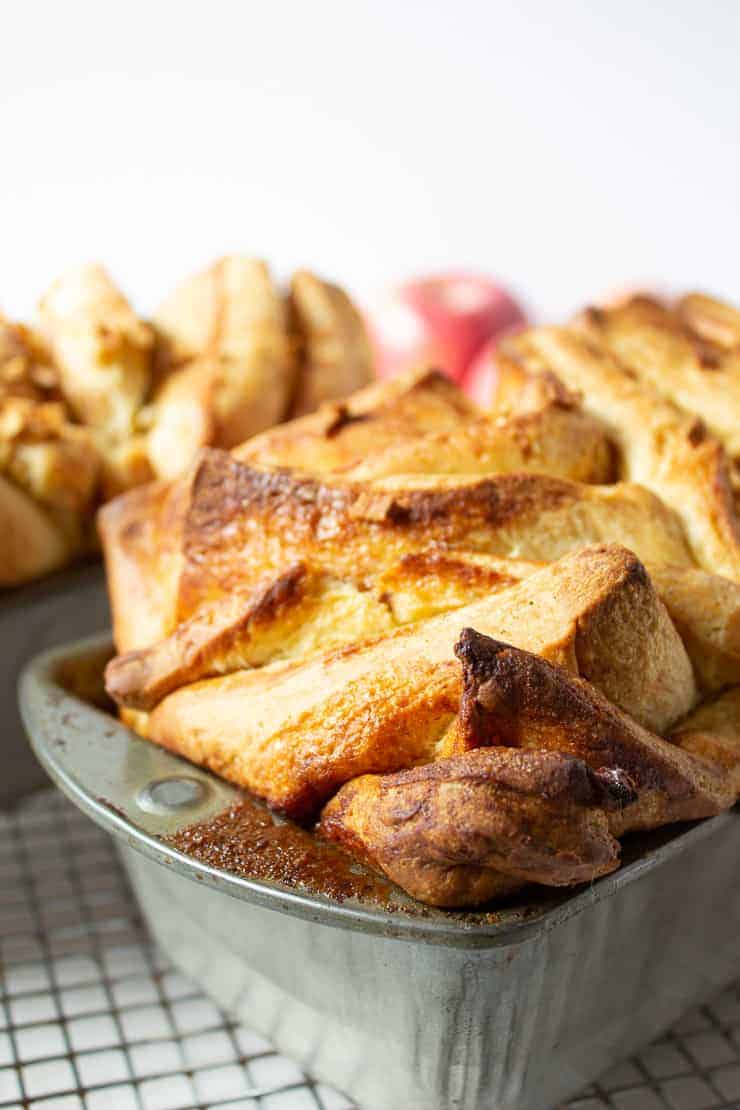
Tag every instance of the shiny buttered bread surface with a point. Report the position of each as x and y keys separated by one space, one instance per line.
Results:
x=94 y=400
x=474 y=649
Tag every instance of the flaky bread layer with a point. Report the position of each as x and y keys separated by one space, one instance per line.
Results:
x=424 y=427
x=712 y=732
x=293 y=732
x=102 y=350
x=140 y=532
x=242 y=522
x=182 y=420
x=705 y=609
x=297 y=613
x=237 y=525
x=341 y=435
x=230 y=322
x=332 y=346
x=661 y=446
x=713 y=321
x=559 y=441
x=292 y=616
x=676 y=351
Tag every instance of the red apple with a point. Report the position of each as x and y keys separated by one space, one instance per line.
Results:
x=479 y=380
x=443 y=319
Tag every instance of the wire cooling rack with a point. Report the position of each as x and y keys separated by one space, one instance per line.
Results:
x=93 y=1016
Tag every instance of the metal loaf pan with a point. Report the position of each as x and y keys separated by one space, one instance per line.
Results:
x=64 y=606
x=435 y=1012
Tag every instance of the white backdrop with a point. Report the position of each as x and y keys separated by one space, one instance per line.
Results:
x=569 y=146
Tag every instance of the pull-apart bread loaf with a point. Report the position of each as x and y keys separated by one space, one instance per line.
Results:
x=236 y=357
x=454 y=640
x=96 y=401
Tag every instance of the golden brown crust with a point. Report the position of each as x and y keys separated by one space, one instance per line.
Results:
x=559 y=441
x=465 y=829
x=56 y=464
x=340 y=435
x=182 y=418
x=462 y=831
x=689 y=354
x=409 y=547
x=421 y=424
x=661 y=447
x=316 y=612
x=704 y=607
x=294 y=615
x=712 y=732
x=333 y=350
x=427 y=582
x=231 y=319
x=293 y=732
x=102 y=350
x=706 y=612
x=243 y=522
x=239 y=631
x=240 y=525
x=514 y=698
x=198 y=647
x=25 y=365
x=140 y=534
x=714 y=321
